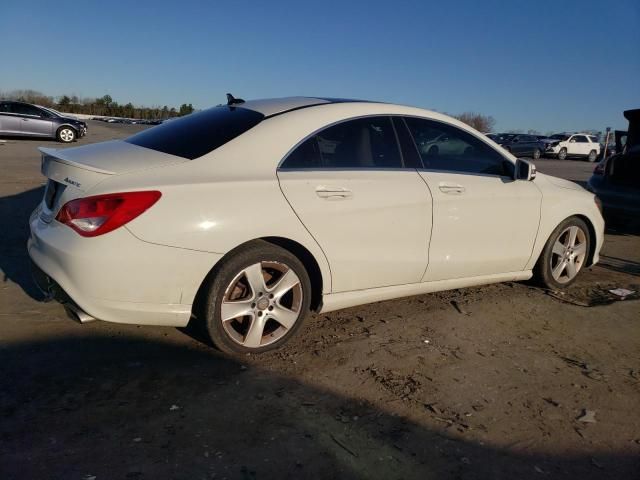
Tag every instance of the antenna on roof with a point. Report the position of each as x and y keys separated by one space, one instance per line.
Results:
x=231 y=100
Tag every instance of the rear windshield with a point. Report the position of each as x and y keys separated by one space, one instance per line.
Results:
x=199 y=133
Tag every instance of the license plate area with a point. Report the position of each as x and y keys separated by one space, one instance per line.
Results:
x=52 y=193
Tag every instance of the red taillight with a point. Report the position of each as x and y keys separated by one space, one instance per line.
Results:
x=97 y=215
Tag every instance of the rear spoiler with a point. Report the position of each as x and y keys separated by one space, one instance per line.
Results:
x=59 y=156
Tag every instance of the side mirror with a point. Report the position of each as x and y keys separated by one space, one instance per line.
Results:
x=524 y=170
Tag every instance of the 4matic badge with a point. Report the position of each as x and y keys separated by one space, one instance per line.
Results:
x=72 y=182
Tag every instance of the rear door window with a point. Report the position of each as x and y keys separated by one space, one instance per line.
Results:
x=362 y=143
x=197 y=134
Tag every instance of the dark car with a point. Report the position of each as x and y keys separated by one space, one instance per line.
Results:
x=521 y=145
x=26 y=120
x=616 y=180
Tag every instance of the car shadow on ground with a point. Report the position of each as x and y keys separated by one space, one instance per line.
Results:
x=20 y=138
x=615 y=226
x=100 y=406
x=14 y=260
x=620 y=265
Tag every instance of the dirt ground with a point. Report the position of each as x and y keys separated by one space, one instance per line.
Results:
x=499 y=382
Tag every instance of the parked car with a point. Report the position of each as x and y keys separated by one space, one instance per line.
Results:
x=522 y=145
x=616 y=179
x=249 y=215
x=27 y=120
x=577 y=145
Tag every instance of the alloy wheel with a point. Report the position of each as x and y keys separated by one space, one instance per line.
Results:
x=568 y=254
x=67 y=135
x=261 y=304
x=562 y=154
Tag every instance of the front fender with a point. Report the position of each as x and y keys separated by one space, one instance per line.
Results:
x=560 y=203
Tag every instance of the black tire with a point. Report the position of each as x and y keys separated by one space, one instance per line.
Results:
x=592 y=157
x=66 y=134
x=562 y=154
x=543 y=269
x=536 y=154
x=222 y=280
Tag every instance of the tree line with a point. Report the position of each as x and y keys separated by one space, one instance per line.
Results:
x=101 y=106
x=106 y=106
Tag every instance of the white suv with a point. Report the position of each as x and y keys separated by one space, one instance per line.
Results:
x=574 y=145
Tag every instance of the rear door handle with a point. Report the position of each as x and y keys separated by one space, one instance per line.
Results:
x=333 y=192
x=451 y=188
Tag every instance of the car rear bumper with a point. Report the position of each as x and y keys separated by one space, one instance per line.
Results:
x=116 y=277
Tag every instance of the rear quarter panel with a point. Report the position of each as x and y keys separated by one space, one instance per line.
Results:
x=212 y=206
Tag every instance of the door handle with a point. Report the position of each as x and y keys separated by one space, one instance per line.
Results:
x=333 y=192
x=451 y=188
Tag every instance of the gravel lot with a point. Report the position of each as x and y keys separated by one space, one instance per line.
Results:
x=491 y=382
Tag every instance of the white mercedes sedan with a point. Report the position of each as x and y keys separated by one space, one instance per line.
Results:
x=247 y=216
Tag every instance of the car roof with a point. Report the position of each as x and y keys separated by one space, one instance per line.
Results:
x=275 y=106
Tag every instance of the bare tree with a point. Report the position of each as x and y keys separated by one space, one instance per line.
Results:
x=482 y=123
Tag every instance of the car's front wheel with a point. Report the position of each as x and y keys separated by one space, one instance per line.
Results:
x=593 y=156
x=66 y=134
x=536 y=154
x=564 y=254
x=258 y=298
x=562 y=154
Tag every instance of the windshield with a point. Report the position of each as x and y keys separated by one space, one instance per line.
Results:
x=199 y=133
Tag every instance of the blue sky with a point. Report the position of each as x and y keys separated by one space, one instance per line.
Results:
x=545 y=65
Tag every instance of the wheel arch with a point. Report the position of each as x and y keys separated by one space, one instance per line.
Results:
x=592 y=238
x=310 y=263
x=63 y=125
x=295 y=248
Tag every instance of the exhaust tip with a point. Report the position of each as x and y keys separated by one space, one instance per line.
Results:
x=77 y=314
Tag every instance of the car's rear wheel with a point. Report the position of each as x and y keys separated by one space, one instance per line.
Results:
x=66 y=134
x=564 y=254
x=258 y=298
x=562 y=154
x=536 y=154
x=593 y=156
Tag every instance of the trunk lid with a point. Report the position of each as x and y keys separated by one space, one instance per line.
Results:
x=72 y=172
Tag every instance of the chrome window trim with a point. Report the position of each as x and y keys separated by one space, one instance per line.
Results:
x=458 y=172
x=329 y=125
x=279 y=167
x=20 y=114
x=349 y=169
